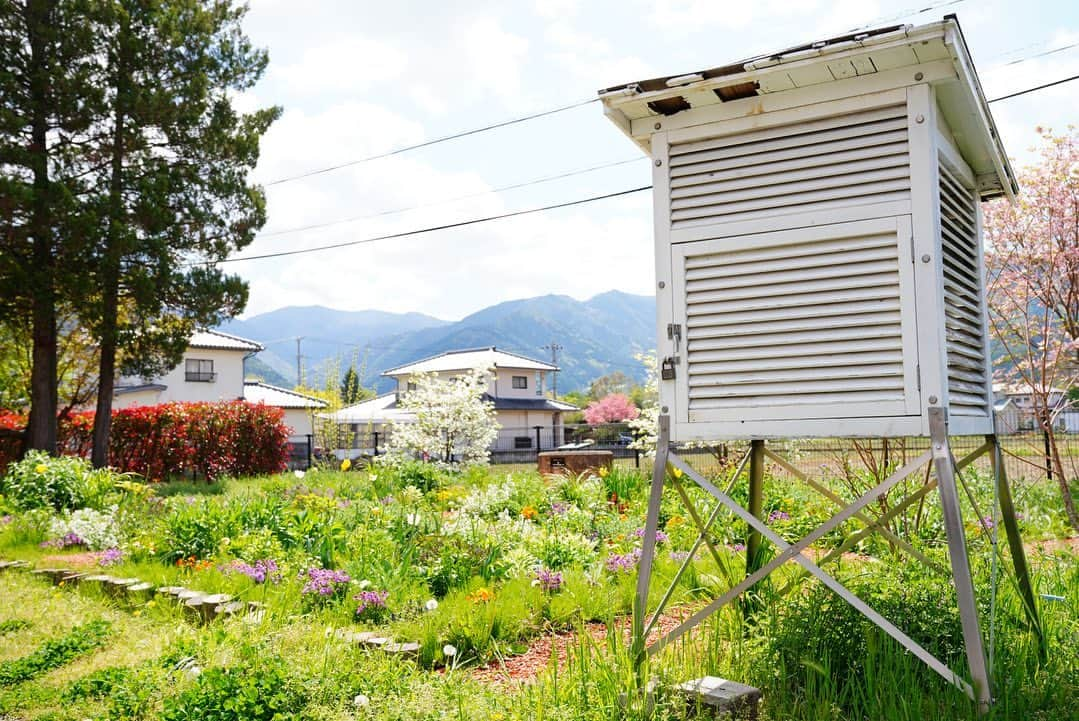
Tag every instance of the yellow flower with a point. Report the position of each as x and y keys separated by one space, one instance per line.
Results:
x=676 y=472
x=528 y=512
x=41 y=468
x=136 y=612
x=346 y=464
x=674 y=521
x=603 y=472
x=481 y=595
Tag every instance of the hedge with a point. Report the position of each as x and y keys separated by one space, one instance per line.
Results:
x=209 y=440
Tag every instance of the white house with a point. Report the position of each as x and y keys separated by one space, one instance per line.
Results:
x=212 y=369
x=518 y=390
x=299 y=408
x=1021 y=397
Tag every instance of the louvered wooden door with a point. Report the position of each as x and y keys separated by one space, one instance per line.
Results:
x=804 y=323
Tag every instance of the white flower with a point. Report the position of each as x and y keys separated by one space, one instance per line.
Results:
x=413 y=519
x=449 y=650
x=361 y=701
x=364 y=584
x=193 y=672
x=298 y=473
x=431 y=605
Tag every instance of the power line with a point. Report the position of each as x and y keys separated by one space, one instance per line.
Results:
x=523 y=184
x=1035 y=89
x=426 y=143
x=529 y=211
x=1042 y=54
x=421 y=231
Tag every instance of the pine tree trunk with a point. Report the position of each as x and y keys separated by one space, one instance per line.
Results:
x=41 y=431
x=110 y=271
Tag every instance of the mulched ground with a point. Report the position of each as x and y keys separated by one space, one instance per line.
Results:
x=524 y=668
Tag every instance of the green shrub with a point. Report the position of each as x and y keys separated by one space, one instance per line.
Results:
x=11 y=625
x=54 y=653
x=261 y=691
x=41 y=481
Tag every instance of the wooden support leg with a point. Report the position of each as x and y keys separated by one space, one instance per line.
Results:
x=648 y=548
x=957 y=553
x=756 y=507
x=1015 y=544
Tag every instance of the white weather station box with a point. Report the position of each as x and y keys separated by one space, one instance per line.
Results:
x=819 y=260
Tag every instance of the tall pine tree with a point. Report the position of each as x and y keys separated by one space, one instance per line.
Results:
x=174 y=197
x=49 y=102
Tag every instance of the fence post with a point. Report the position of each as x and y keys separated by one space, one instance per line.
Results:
x=1048 y=454
x=310 y=449
x=538 y=448
x=376 y=442
x=637 y=457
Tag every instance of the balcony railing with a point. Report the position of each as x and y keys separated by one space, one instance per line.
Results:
x=200 y=377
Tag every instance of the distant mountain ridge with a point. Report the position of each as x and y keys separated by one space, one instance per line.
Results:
x=598 y=336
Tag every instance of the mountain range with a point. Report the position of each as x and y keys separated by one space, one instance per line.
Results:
x=597 y=336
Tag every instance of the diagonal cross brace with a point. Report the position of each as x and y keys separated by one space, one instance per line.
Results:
x=793 y=552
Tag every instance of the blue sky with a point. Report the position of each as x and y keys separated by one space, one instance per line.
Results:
x=359 y=78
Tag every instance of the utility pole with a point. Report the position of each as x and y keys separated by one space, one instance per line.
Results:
x=299 y=361
x=554 y=348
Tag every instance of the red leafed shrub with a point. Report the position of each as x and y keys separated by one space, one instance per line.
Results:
x=232 y=438
x=11 y=426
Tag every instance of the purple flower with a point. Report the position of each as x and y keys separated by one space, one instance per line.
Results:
x=260 y=571
x=370 y=600
x=110 y=557
x=988 y=521
x=679 y=556
x=661 y=537
x=6 y=519
x=558 y=508
x=738 y=547
x=324 y=581
x=68 y=539
x=623 y=562
x=550 y=581
x=779 y=516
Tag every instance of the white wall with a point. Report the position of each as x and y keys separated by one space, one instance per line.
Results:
x=227 y=386
x=501 y=385
x=299 y=421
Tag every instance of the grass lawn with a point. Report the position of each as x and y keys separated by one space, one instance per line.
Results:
x=516 y=588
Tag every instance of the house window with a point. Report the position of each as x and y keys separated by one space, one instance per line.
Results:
x=199 y=371
x=520 y=382
x=411 y=387
x=522 y=442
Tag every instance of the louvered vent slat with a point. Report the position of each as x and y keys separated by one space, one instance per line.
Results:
x=851 y=160
x=802 y=325
x=964 y=327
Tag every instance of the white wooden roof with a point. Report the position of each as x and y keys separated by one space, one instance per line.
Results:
x=465 y=360
x=259 y=392
x=222 y=341
x=935 y=53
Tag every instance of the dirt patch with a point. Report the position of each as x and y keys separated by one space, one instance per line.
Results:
x=1055 y=544
x=63 y=560
x=525 y=667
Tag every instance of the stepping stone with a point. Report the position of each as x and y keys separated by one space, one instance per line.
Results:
x=404 y=649
x=97 y=578
x=4 y=565
x=187 y=594
x=360 y=637
x=53 y=574
x=206 y=606
x=140 y=589
x=73 y=578
x=376 y=641
x=170 y=591
x=721 y=696
x=119 y=585
x=232 y=608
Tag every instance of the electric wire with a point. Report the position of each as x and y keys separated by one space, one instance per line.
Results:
x=528 y=211
x=434 y=141
x=431 y=229
x=515 y=186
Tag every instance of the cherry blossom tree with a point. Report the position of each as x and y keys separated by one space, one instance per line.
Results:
x=1033 y=292
x=453 y=421
x=612 y=408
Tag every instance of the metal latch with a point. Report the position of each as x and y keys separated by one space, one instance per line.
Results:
x=674 y=332
x=666 y=369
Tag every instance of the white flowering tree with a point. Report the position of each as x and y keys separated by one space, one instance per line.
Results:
x=453 y=421
x=646 y=425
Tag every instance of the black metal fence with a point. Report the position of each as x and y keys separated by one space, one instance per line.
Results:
x=1025 y=453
